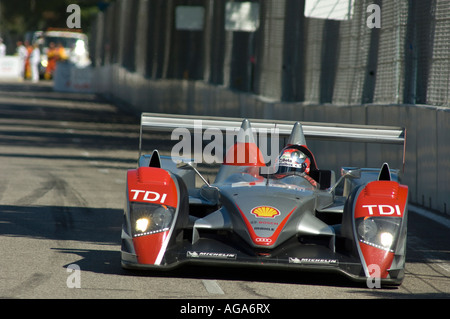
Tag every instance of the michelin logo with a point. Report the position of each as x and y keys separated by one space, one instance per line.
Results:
x=194 y=254
x=313 y=261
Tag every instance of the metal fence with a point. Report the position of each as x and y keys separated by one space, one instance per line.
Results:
x=288 y=56
x=287 y=59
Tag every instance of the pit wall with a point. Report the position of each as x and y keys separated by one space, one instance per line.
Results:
x=427 y=168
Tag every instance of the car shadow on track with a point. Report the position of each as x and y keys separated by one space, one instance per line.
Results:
x=255 y=275
x=93 y=227
x=108 y=262
x=99 y=261
x=61 y=223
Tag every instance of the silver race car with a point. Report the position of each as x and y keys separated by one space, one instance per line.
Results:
x=289 y=214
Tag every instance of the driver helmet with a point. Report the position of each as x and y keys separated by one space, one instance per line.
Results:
x=292 y=160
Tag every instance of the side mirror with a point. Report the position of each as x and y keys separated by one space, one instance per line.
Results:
x=347 y=172
x=191 y=165
x=186 y=164
x=351 y=172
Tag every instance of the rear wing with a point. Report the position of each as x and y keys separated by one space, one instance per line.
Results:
x=314 y=130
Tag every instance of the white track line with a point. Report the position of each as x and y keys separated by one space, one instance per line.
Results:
x=430 y=215
x=213 y=287
x=440 y=220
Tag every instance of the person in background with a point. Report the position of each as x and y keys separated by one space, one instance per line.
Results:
x=52 y=56
x=55 y=54
x=2 y=48
x=62 y=55
x=35 y=59
x=29 y=48
x=22 y=53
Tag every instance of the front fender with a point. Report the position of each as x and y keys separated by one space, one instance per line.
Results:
x=375 y=221
x=156 y=210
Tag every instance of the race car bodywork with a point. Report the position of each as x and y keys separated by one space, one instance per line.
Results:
x=251 y=216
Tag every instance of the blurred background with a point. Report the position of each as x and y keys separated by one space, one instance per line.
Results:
x=19 y=18
x=308 y=60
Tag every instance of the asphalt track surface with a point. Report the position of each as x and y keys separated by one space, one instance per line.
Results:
x=63 y=161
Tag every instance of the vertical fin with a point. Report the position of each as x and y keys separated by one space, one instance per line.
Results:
x=155 y=160
x=297 y=136
x=385 y=173
x=245 y=134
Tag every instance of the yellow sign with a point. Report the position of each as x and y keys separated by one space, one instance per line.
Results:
x=265 y=212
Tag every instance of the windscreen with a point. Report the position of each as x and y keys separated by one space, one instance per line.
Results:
x=66 y=42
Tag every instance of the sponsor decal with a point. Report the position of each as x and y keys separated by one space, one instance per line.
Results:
x=263 y=222
x=264 y=228
x=313 y=261
x=195 y=254
x=383 y=210
x=265 y=212
x=148 y=196
x=268 y=223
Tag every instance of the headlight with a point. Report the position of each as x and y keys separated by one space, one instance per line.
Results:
x=44 y=63
x=161 y=217
x=367 y=229
x=386 y=239
x=147 y=219
x=142 y=224
x=379 y=232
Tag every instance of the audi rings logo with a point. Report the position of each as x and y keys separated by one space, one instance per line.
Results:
x=264 y=240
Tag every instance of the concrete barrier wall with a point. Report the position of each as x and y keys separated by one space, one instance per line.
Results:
x=427 y=169
x=443 y=159
x=10 y=68
x=70 y=78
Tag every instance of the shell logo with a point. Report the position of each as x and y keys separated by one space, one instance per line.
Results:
x=265 y=212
